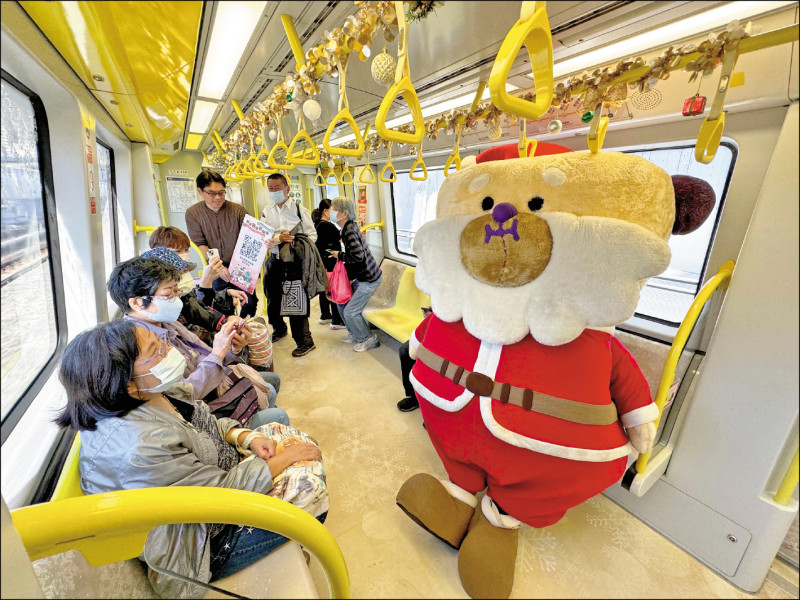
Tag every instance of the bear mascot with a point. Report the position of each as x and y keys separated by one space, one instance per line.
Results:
x=523 y=388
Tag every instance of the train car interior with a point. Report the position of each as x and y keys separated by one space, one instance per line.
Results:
x=110 y=110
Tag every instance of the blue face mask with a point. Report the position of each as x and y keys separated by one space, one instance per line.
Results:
x=334 y=217
x=167 y=311
x=277 y=197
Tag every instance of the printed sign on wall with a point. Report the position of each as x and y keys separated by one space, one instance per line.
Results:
x=361 y=207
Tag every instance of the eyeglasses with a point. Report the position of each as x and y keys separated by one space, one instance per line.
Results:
x=162 y=351
x=220 y=194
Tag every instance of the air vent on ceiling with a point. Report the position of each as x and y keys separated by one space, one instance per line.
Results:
x=646 y=100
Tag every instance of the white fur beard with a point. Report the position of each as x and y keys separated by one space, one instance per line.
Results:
x=593 y=279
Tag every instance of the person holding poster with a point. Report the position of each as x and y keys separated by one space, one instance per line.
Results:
x=215 y=223
x=285 y=217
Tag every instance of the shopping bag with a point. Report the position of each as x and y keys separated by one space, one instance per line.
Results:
x=339 y=290
x=294 y=301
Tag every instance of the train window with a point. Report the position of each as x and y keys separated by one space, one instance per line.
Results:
x=331 y=191
x=33 y=323
x=667 y=298
x=413 y=205
x=108 y=211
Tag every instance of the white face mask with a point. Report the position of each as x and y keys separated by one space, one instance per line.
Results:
x=186 y=284
x=167 y=311
x=277 y=197
x=169 y=371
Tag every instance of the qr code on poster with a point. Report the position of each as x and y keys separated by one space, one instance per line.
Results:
x=251 y=247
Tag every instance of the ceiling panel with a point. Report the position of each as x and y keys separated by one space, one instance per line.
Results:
x=136 y=57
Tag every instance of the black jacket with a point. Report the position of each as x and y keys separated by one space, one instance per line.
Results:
x=328 y=238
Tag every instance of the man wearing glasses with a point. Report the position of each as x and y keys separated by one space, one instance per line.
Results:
x=215 y=223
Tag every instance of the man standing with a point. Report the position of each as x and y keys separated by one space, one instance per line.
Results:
x=215 y=223
x=284 y=216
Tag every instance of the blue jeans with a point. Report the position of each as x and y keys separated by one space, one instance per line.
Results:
x=352 y=311
x=246 y=545
x=272 y=380
x=268 y=415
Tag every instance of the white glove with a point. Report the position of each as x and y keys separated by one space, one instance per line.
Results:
x=643 y=436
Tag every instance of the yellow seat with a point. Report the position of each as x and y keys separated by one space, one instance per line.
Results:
x=406 y=314
x=113 y=526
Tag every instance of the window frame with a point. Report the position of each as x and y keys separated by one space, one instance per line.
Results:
x=113 y=200
x=54 y=256
x=394 y=215
x=720 y=202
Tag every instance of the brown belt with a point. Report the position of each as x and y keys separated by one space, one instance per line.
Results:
x=482 y=385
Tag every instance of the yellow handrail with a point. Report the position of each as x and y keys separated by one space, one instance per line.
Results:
x=369 y=226
x=789 y=482
x=97 y=522
x=684 y=331
x=148 y=230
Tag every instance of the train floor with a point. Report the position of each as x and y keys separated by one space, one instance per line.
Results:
x=347 y=401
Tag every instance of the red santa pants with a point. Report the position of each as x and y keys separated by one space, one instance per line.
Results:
x=535 y=488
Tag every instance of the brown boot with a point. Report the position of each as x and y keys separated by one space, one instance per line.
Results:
x=487 y=558
x=428 y=503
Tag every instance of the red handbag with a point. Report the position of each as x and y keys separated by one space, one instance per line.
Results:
x=339 y=290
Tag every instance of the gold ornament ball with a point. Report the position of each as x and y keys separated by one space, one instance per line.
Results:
x=312 y=109
x=273 y=134
x=383 y=67
x=554 y=126
x=495 y=132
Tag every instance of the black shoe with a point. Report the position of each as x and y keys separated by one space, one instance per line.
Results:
x=303 y=350
x=408 y=404
x=276 y=335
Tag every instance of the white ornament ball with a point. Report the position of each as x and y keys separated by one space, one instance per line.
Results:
x=273 y=134
x=331 y=163
x=383 y=67
x=554 y=126
x=495 y=132
x=312 y=109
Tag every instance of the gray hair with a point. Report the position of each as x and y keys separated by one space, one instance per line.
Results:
x=344 y=204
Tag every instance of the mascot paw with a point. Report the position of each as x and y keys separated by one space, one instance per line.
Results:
x=428 y=503
x=642 y=436
x=486 y=559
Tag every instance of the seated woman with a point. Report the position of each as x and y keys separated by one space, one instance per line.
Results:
x=146 y=291
x=364 y=272
x=203 y=295
x=141 y=427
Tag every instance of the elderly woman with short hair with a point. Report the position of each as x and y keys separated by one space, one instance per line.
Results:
x=361 y=269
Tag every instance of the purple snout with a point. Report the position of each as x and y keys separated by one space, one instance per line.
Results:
x=502 y=213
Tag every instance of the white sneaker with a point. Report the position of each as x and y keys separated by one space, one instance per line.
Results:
x=348 y=339
x=324 y=321
x=368 y=344
x=337 y=326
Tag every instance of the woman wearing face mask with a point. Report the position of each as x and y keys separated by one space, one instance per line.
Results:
x=140 y=427
x=146 y=291
x=328 y=238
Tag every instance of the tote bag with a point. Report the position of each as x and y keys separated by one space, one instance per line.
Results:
x=339 y=290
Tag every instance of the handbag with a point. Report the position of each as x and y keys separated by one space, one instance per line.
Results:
x=339 y=290
x=241 y=394
x=294 y=300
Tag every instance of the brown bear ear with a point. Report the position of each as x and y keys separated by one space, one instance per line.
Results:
x=694 y=200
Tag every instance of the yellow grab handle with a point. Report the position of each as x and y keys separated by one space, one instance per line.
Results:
x=344 y=115
x=271 y=158
x=328 y=178
x=708 y=139
x=294 y=40
x=402 y=85
x=367 y=169
x=418 y=162
x=247 y=169
x=409 y=94
x=318 y=177
x=450 y=160
x=597 y=132
x=302 y=160
x=533 y=30
x=348 y=174
x=258 y=166
x=394 y=173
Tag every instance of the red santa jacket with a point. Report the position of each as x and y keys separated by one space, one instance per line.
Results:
x=595 y=368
